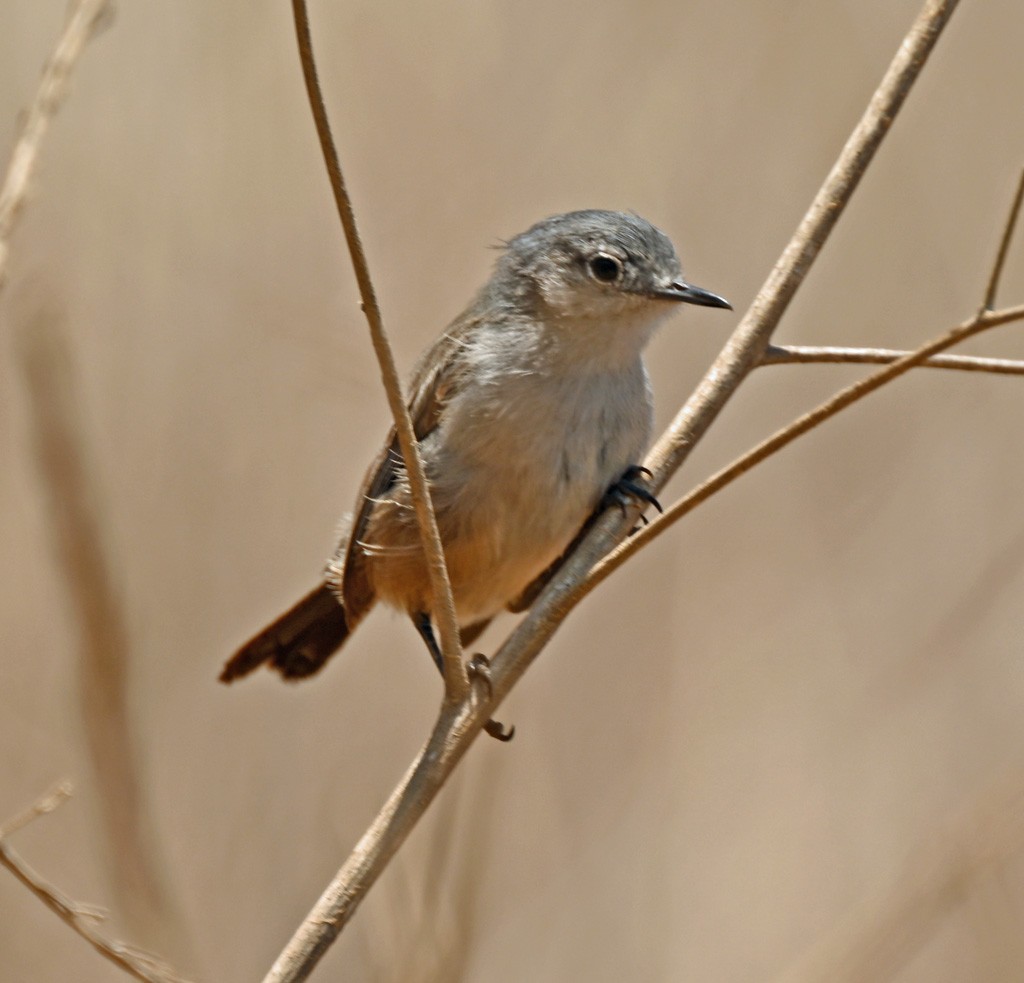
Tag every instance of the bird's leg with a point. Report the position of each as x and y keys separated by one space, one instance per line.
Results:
x=479 y=667
x=422 y=622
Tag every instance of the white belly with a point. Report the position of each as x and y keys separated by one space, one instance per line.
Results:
x=515 y=475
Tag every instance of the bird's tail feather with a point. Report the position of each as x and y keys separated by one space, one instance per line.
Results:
x=298 y=643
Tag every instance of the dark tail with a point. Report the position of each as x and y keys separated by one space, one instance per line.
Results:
x=298 y=643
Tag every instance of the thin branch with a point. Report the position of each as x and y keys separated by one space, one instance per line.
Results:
x=56 y=797
x=744 y=349
x=458 y=726
x=82 y=21
x=803 y=354
x=81 y=918
x=982 y=321
x=995 y=276
x=792 y=354
x=456 y=680
x=453 y=733
x=773 y=444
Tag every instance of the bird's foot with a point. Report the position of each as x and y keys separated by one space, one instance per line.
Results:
x=480 y=668
x=628 y=488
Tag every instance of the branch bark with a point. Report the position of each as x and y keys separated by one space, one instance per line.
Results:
x=983 y=320
x=456 y=679
x=806 y=354
x=459 y=724
x=781 y=438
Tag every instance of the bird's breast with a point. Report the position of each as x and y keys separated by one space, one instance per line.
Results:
x=527 y=458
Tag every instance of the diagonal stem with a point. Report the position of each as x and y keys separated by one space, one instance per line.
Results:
x=981 y=321
x=457 y=727
x=744 y=349
x=456 y=681
x=1004 y=247
x=775 y=443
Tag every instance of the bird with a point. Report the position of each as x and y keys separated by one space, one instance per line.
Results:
x=531 y=408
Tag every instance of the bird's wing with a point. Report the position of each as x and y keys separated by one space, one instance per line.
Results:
x=435 y=379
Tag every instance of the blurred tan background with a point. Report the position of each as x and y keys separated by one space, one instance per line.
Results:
x=748 y=750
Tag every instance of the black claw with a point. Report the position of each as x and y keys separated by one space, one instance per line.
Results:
x=627 y=487
x=638 y=491
x=480 y=668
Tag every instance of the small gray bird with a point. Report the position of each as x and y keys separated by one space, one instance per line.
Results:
x=529 y=409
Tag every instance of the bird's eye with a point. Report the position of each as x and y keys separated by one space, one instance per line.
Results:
x=605 y=268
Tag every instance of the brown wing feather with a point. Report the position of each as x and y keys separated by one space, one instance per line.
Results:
x=433 y=383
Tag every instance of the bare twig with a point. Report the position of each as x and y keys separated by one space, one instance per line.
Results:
x=64 y=475
x=57 y=795
x=69 y=485
x=81 y=918
x=989 y=300
x=431 y=906
x=744 y=349
x=789 y=433
x=790 y=354
x=450 y=739
x=458 y=725
x=982 y=321
x=82 y=20
x=456 y=681
x=805 y=354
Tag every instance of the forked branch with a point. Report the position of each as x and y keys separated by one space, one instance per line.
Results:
x=83 y=919
x=458 y=725
x=781 y=438
x=982 y=321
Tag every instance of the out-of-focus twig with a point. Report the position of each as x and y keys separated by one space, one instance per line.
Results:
x=82 y=20
x=65 y=477
x=81 y=918
x=802 y=354
x=57 y=795
x=459 y=724
x=70 y=487
x=456 y=680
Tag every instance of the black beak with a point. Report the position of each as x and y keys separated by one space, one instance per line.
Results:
x=689 y=294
